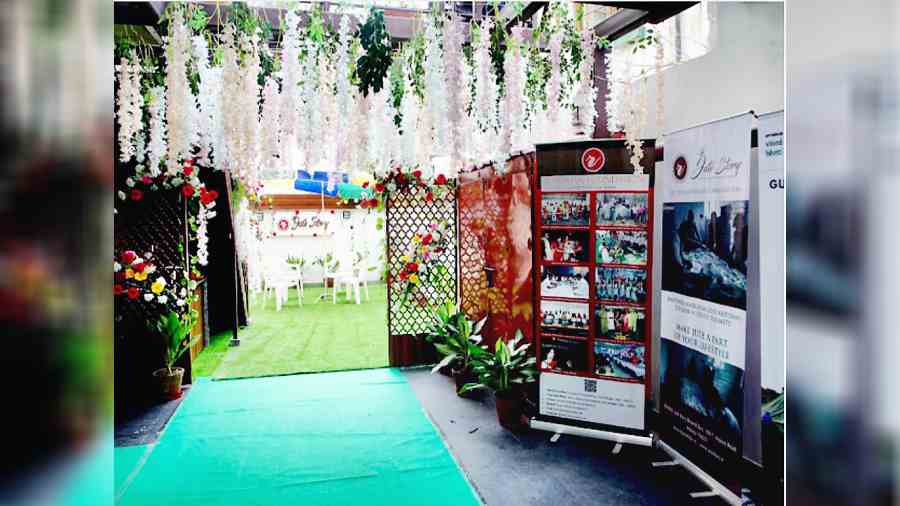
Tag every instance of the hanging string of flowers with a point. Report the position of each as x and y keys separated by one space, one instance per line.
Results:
x=469 y=105
x=158 y=134
x=130 y=110
x=179 y=100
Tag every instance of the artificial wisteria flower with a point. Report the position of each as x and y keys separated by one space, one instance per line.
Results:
x=130 y=104
x=180 y=102
x=158 y=130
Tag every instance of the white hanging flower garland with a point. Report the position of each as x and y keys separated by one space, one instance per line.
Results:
x=179 y=100
x=130 y=104
x=158 y=133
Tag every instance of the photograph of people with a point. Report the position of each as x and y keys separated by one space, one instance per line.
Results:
x=705 y=251
x=562 y=281
x=625 y=209
x=621 y=284
x=619 y=360
x=620 y=322
x=569 y=209
x=567 y=318
x=626 y=247
x=565 y=246
x=563 y=355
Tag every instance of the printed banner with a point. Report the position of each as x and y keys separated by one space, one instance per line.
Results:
x=592 y=259
x=703 y=307
x=772 y=247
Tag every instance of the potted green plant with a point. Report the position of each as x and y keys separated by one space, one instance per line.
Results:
x=458 y=340
x=329 y=265
x=505 y=371
x=175 y=330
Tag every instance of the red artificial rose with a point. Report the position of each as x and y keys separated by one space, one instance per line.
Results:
x=187 y=189
x=412 y=267
x=120 y=276
x=118 y=289
x=208 y=197
x=136 y=194
x=364 y=204
x=128 y=256
x=133 y=293
x=365 y=184
x=379 y=187
x=147 y=180
x=373 y=203
x=429 y=197
x=401 y=179
x=188 y=170
x=426 y=240
x=417 y=174
x=139 y=267
x=440 y=180
x=402 y=275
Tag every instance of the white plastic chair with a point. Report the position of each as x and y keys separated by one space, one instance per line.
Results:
x=278 y=277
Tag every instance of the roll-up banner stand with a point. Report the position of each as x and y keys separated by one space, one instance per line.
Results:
x=707 y=363
x=592 y=257
x=771 y=213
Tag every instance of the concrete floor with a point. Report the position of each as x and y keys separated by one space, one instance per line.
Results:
x=526 y=469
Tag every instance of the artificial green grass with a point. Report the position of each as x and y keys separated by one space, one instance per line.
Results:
x=337 y=439
x=318 y=336
x=209 y=359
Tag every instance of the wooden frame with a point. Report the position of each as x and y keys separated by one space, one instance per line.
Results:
x=301 y=201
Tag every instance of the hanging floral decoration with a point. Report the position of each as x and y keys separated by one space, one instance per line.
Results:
x=344 y=97
x=130 y=107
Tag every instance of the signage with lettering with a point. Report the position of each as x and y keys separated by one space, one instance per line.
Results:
x=703 y=297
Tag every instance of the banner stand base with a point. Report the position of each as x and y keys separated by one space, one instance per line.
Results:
x=559 y=429
x=717 y=489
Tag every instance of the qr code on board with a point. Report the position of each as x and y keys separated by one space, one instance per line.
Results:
x=590 y=386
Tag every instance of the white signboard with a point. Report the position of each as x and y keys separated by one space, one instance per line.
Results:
x=579 y=398
x=772 y=247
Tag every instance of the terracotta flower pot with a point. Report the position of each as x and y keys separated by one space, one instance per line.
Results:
x=509 y=411
x=170 y=384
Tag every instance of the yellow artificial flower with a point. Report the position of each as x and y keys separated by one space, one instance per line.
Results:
x=416 y=239
x=129 y=273
x=414 y=279
x=140 y=276
x=157 y=287
x=404 y=258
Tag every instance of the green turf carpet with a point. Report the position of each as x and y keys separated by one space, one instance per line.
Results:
x=318 y=336
x=347 y=438
x=126 y=460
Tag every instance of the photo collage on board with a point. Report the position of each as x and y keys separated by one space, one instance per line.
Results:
x=594 y=258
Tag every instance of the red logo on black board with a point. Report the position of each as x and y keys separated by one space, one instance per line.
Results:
x=593 y=159
x=680 y=167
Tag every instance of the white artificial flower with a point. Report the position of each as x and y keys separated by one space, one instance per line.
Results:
x=162 y=299
x=129 y=182
x=148 y=296
x=117 y=267
x=130 y=102
x=121 y=195
x=158 y=132
x=179 y=100
x=179 y=302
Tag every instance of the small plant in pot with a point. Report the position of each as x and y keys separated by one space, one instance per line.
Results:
x=505 y=371
x=458 y=340
x=175 y=330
